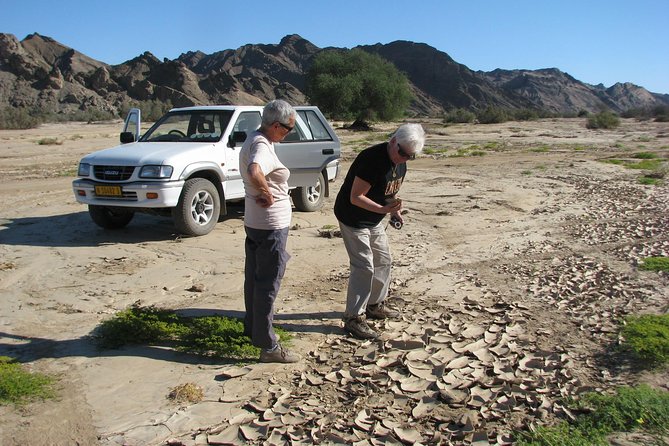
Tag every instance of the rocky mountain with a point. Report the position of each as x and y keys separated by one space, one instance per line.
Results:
x=40 y=73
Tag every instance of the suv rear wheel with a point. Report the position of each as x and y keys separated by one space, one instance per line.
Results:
x=198 y=209
x=109 y=218
x=310 y=199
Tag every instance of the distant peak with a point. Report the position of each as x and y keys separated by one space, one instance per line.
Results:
x=40 y=37
x=291 y=39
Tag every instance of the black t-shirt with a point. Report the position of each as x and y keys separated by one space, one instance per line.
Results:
x=374 y=166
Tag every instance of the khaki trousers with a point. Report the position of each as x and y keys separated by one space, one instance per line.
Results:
x=370 y=264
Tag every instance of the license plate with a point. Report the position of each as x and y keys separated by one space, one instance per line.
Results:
x=108 y=191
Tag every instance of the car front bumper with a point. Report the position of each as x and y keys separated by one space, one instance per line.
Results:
x=132 y=195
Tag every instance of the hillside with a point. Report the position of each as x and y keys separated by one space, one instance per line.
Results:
x=40 y=73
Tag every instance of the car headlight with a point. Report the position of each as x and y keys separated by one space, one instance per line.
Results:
x=156 y=172
x=84 y=170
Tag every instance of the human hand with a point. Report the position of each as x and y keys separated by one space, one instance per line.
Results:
x=265 y=199
x=393 y=206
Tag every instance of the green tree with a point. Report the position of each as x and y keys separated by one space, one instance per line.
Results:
x=357 y=85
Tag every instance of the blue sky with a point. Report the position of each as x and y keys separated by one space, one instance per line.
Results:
x=595 y=41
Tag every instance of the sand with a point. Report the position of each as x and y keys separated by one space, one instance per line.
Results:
x=475 y=225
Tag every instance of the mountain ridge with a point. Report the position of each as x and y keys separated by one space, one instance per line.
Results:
x=40 y=73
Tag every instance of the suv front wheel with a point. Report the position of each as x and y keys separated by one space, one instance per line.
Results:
x=198 y=208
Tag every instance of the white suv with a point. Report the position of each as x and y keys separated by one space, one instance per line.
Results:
x=187 y=166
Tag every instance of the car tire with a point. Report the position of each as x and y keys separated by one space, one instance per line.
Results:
x=311 y=198
x=198 y=208
x=109 y=218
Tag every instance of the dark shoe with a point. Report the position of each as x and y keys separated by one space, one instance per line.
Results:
x=358 y=328
x=381 y=311
x=280 y=354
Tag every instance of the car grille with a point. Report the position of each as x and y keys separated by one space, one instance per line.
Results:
x=113 y=173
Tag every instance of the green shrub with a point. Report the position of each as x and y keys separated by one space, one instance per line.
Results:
x=647 y=164
x=49 y=142
x=17 y=119
x=644 y=155
x=140 y=325
x=152 y=109
x=492 y=115
x=647 y=337
x=661 y=113
x=216 y=336
x=603 y=120
x=650 y=181
x=655 y=264
x=630 y=408
x=561 y=434
x=459 y=116
x=18 y=386
x=524 y=114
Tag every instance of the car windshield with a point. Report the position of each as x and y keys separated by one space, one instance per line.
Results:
x=189 y=126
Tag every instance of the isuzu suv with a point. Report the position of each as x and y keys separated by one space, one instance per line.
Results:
x=187 y=166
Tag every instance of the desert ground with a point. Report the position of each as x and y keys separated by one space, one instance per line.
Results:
x=518 y=258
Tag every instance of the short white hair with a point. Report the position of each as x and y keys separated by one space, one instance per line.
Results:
x=277 y=110
x=411 y=137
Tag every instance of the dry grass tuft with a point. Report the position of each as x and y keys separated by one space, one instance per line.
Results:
x=186 y=393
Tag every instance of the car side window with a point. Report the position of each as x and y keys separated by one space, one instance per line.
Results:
x=315 y=125
x=297 y=134
x=206 y=128
x=247 y=122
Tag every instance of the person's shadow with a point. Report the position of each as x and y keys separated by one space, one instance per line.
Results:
x=28 y=348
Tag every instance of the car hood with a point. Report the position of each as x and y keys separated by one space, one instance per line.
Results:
x=148 y=153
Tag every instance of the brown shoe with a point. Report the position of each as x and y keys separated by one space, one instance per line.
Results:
x=357 y=327
x=280 y=354
x=381 y=311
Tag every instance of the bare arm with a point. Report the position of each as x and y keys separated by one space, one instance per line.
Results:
x=358 y=198
x=257 y=177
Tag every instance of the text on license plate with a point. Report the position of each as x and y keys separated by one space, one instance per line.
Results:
x=108 y=191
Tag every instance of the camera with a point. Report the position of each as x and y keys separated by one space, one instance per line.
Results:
x=395 y=223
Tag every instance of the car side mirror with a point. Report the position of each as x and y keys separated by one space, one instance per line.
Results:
x=127 y=137
x=236 y=137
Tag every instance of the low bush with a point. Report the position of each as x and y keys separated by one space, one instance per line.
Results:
x=650 y=181
x=647 y=337
x=17 y=119
x=459 y=116
x=655 y=264
x=492 y=115
x=629 y=409
x=215 y=336
x=525 y=114
x=152 y=109
x=644 y=155
x=603 y=120
x=49 y=142
x=18 y=386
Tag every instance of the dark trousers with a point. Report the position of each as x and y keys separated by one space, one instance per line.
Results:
x=266 y=259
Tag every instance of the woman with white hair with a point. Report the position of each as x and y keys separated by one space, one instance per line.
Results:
x=267 y=214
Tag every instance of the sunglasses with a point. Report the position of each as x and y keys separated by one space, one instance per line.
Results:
x=287 y=127
x=403 y=154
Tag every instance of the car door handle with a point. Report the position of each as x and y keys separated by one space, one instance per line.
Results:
x=328 y=151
